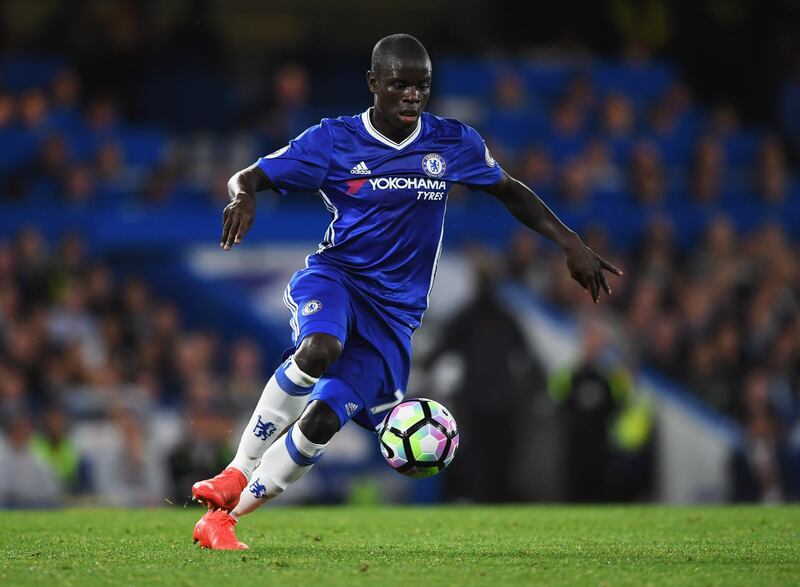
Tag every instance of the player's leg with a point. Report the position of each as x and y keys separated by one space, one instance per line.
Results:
x=284 y=462
x=378 y=358
x=320 y=320
x=282 y=401
x=284 y=398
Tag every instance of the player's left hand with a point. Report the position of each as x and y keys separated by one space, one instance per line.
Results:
x=237 y=220
x=586 y=267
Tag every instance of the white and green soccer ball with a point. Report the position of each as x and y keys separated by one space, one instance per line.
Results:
x=419 y=437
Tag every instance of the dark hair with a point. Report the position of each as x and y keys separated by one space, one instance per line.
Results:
x=399 y=47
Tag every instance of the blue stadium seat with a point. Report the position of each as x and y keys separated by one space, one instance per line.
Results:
x=466 y=77
x=17 y=147
x=24 y=72
x=741 y=148
x=641 y=82
x=548 y=78
x=143 y=147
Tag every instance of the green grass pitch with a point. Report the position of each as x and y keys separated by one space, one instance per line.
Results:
x=437 y=546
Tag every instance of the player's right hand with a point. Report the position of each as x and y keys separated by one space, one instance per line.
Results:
x=237 y=219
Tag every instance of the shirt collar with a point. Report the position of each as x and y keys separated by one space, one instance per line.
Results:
x=365 y=118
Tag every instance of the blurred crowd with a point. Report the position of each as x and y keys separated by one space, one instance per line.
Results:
x=722 y=319
x=608 y=146
x=61 y=148
x=104 y=392
x=618 y=147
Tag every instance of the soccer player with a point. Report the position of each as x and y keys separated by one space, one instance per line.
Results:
x=384 y=176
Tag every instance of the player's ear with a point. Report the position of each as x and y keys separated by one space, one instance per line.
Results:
x=372 y=81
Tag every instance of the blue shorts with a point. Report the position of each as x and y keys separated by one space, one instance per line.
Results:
x=371 y=375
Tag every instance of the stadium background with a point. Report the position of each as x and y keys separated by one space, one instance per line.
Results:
x=132 y=349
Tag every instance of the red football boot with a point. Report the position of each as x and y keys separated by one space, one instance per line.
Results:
x=215 y=531
x=221 y=491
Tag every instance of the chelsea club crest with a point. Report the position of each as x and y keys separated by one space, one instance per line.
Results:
x=311 y=307
x=433 y=165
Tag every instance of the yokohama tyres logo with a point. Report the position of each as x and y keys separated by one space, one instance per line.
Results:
x=406 y=183
x=399 y=183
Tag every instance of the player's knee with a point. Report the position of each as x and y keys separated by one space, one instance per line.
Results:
x=316 y=353
x=319 y=422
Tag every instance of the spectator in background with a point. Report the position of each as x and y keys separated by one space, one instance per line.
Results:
x=772 y=178
x=604 y=174
x=71 y=321
x=115 y=182
x=102 y=118
x=536 y=170
x=246 y=374
x=617 y=124
x=567 y=135
x=290 y=114
x=56 y=451
x=784 y=369
x=202 y=452
x=506 y=366
x=662 y=349
x=24 y=481
x=707 y=170
x=646 y=175
x=575 y=187
x=33 y=112
x=44 y=179
x=8 y=110
x=644 y=309
x=79 y=187
x=524 y=262
x=32 y=266
x=582 y=93
x=66 y=95
x=717 y=253
x=760 y=466
x=13 y=394
x=776 y=188
x=671 y=127
x=128 y=469
x=606 y=432
x=512 y=121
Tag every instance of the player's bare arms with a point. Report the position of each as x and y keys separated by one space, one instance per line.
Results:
x=585 y=266
x=238 y=216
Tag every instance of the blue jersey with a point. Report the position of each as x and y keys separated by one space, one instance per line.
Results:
x=387 y=199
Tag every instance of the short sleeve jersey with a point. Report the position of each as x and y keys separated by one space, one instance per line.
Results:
x=387 y=200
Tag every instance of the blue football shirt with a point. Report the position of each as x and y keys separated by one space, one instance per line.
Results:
x=387 y=199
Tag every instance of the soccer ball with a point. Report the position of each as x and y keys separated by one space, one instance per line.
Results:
x=419 y=438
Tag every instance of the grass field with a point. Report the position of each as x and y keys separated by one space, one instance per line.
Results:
x=410 y=546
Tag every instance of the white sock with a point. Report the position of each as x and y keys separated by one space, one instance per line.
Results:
x=282 y=401
x=284 y=463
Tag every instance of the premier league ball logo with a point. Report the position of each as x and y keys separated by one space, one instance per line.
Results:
x=433 y=165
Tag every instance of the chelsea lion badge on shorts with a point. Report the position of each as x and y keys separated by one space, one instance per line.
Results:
x=489 y=159
x=277 y=153
x=311 y=307
x=433 y=165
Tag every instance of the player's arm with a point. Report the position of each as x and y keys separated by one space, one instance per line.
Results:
x=238 y=216
x=585 y=266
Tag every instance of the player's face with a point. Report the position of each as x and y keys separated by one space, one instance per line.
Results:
x=401 y=93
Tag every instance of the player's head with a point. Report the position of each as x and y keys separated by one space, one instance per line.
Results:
x=400 y=79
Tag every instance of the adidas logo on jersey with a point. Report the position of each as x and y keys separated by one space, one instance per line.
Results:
x=351 y=408
x=360 y=169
